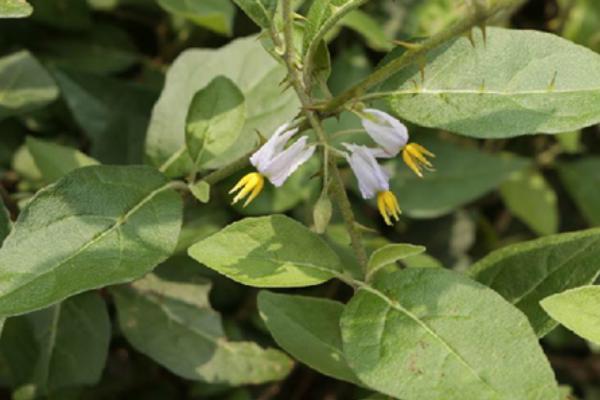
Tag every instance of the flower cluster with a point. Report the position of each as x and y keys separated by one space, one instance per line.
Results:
x=276 y=162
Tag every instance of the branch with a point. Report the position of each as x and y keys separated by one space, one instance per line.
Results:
x=480 y=14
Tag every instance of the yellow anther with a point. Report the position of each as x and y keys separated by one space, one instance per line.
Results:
x=250 y=185
x=387 y=203
x=415 y=156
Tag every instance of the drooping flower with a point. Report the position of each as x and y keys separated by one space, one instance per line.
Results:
x=373 y=181
x=392 y=136
x=273 y=161
x=389 y=133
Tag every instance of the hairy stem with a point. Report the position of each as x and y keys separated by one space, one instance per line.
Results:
x=297 y=82
x=480 y=14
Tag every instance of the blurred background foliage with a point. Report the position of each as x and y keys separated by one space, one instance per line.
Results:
x=99 y=66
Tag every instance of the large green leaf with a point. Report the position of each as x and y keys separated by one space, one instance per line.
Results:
x=24 y=84
x=114 y=114
x=215 y=119
x=216 y=15
x=462 y=175
x=531 y=199
x=391 y=253
x=430 y=334
x=54 y=161
x=273 y=251
x=15 y=9
x=581 y=179
x=309 y=329
x=62 y=346
x=577 y=309
x=97 y=226
x=526 y=273
x=250 y=67
x=261 y=11
x=172 y=323
x=518 y=82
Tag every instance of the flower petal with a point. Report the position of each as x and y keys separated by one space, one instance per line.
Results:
x=276 y=143
x=387 y=131
x=288 y=161
x=371 y=177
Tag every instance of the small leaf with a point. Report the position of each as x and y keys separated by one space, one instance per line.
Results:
x=54 y=161
x=60 y=347
x=581 y=179
x=97 y=226
x=273 y=251
x=201 y=191
x=525 y=273
x=26 y=85
x=391 y=253
x=173 y=324
x=531 y=199
x=260 y=11
x=308 y=328
x=322 y=17
x=15 y=9
x=215 y=119
x=431 y=334
x=371 y=29
x=517 y=82
x=216 y=15
x=577 y=309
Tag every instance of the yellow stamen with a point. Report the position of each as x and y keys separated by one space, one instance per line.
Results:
x=387 y=203
x=415 y=156
x=251 y=184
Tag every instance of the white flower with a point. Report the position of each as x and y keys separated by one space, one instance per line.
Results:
x=386 y=131
x=277 y=163
x=274 y=162
x=372 y=179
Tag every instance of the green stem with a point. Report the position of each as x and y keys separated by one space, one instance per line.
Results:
x=479 y=16
x=297 y=82
x=228 y=170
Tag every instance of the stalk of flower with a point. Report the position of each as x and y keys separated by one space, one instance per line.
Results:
x=273 y=161
x=392 y=136
x=373 y=181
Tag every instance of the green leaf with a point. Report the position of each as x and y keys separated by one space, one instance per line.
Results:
x=201 y=191
x=577 y=309
x=531 y=199
x=322 y=17
x=95 y=227
x=462 y=175
x=114 y=114
x=26 y=86
x=215 y=120
x=308 y=328
x=5 y=225
x=266 y=106
x=389 y=254
x=15 y=9
x=369 y=28
x=260 y=11
x=52 y=13
x=525 y=273
x=63 y=346
x=173 y=324
x=54 y=161
x=105 y=50
x=273 y=251
x=431 y=334
x=216 y=15
x=518 y=82
x=581 y=179
x=422 y=261
x=581 y=23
